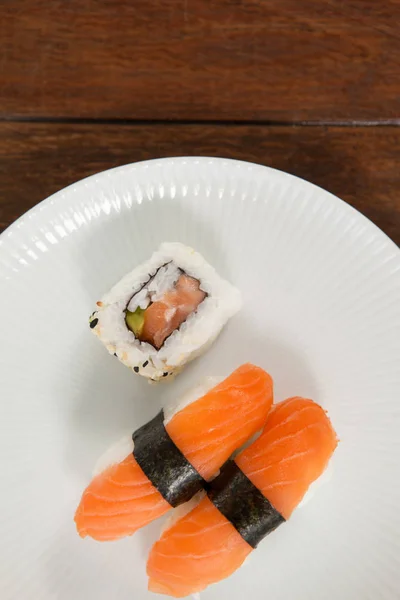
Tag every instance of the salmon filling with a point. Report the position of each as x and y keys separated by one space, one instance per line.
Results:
x=158 y=312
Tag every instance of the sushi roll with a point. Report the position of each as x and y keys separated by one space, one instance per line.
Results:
x=254 y=494
x=170 y=459
x=165 y=312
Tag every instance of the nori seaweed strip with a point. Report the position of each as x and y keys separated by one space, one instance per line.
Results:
x=164 y=464
x=238 y=499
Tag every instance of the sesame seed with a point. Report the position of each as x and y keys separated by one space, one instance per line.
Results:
x=146 y=362
x=93 y=323
x=136 y=369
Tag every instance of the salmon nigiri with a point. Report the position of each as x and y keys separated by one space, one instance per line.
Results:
x=203 y=546
x=121 y=499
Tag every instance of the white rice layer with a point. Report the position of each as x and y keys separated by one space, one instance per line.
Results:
x=114 y=454
x=164 y=279
x=193 y=336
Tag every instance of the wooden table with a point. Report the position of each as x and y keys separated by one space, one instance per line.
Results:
x=308 y=86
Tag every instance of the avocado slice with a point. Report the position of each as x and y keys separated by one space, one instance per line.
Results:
x=135 y=321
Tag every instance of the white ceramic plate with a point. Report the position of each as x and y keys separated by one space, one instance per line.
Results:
x=321 y=312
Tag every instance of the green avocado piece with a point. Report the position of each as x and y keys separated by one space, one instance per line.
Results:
x=135 y=320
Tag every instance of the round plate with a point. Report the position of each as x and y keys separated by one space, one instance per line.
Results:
x=321 y=313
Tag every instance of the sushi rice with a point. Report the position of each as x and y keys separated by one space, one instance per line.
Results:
x=146 y=284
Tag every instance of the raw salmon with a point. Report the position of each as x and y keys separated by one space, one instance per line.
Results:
x=203 y=547
x=161 y=318
x=121 y=499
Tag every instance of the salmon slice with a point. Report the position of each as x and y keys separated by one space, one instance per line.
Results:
x=121 y=499
x=203 y=547
x=162 y=317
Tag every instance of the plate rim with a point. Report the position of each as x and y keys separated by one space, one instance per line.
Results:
x=195 y=160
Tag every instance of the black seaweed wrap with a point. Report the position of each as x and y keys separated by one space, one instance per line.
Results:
x=235 y=496
x=164 y=464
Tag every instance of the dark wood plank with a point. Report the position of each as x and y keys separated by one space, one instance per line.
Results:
x=358 y=164
x=285 y=60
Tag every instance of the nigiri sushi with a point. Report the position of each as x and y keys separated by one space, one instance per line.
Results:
x=165 y=312
x=174 y=454
x=260 y=490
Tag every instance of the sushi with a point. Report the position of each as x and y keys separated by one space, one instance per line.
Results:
x=252 y=496
x=165 y=312
x=173 y=456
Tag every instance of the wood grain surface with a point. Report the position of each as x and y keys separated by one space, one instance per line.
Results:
x=268 y=60
x=88 y=85
x=359 y=164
